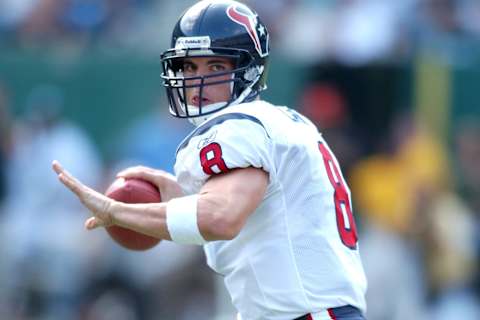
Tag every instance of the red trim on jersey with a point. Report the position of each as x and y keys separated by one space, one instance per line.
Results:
x=309 y=317
x=331 y=314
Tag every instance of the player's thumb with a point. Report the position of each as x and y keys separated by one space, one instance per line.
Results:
x=93 y=223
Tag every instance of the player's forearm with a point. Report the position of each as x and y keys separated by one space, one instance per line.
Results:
x=151 y=219
x=146 y=218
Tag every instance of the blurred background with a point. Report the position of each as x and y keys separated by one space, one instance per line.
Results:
x=393 y=85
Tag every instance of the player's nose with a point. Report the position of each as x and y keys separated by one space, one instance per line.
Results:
x=194 y=83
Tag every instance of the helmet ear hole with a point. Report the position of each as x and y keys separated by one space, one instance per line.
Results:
x=251 y=74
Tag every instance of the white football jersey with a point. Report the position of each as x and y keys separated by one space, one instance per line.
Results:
x=298 y=252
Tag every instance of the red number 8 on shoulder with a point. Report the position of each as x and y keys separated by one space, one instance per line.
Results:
x=211 y=156
x=345 y=221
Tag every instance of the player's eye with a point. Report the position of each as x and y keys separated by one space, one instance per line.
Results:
x=217 y=67
x=189 y=67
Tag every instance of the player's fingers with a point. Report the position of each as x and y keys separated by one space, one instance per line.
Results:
x=152 y=177
x=93 y=223
x=132 y=172
x=57 y=167
x=61 y=171
x=70 y=183
x=139 y=175
x=89 y=223
x=68 y=180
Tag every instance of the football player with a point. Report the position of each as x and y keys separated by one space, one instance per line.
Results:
x=255 y=184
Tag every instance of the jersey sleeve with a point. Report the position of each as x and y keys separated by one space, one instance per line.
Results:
x=236 y=141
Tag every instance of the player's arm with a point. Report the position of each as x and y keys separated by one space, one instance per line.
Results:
x=226 y=201
x=221 y=208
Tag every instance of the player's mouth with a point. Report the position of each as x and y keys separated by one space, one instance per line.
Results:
x=195 y=101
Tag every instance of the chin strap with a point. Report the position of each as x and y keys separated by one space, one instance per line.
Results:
x=196 y=121
x=193 y=110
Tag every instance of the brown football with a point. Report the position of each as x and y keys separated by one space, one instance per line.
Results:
x=132 y=191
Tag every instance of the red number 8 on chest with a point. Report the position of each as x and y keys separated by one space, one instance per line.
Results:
x=210 y=156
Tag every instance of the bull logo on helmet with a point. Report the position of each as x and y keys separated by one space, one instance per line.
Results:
x=249 y=21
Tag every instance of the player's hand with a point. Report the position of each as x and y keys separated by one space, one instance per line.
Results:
x=165 y=182
x=99 y=205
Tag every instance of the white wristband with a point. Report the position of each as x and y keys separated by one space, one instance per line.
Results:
x=182 y=220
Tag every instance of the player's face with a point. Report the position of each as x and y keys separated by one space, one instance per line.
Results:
x=204 y=66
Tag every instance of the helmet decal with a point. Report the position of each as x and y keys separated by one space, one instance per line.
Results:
x=192 y=42
x=250 y=22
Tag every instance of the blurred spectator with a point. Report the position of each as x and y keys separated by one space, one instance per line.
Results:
x=467 y=153
x=168 y=281
x=447 y=238
x=469 y=16
x=303 y=30
x=383 y=198
x=60 y=23
x=366 y=31
x=414 y=162
x=439 y=29
x=151 y=140
x=86 y=16
x=325 y=105
x=47 y=248
x=408 y=194
x=273 y=15
x=14 y=12
x=394 y=271
x=41 y=27
x=352 y=32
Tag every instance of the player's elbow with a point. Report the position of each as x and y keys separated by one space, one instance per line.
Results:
x=217 y=221
x=222 y=227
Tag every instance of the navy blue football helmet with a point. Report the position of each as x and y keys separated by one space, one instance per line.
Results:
x=221 y=28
